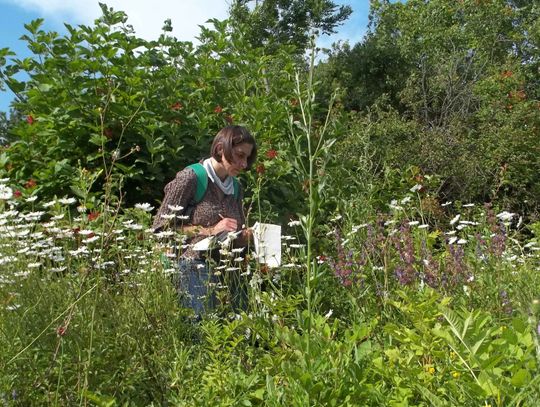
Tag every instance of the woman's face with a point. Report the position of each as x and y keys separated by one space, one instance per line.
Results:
x=238 y=163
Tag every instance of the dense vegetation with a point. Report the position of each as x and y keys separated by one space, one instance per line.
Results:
x=404 y=170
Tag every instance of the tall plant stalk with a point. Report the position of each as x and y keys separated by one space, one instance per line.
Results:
x=317 y=154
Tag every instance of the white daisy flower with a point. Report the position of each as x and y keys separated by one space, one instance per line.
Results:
x=505 y=216
x=34 y=265
x=67 y=201
x=175 y=208
x=5 y=192
x=144 y=206
x=90 y=239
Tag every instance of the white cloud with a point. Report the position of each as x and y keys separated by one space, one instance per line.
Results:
x=146 y=16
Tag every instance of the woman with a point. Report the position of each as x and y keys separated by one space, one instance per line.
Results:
x=219 y=211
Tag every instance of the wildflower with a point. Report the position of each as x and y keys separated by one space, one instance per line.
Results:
x=394 y=205
x=31 y=198
x=413 y=223
x=469 y=205
x=34 y=265
x=293 y=223
x=455 y=219
x=93 y=215
x=67 y=201
x=452 y=240
x=505 y=216
x=446 y=203
x=290 y=265
x=33 y=216
x=31 y=183
x=461 y=241
x=423 y=226
x=17 y=194
x=218 y=109
x=5 y=192
x=271 y=154
x=417 y=187
x=48 y=204
x=456 y=375
x=168 y=216
x=144 y=206
x=61 y=330
x=90 y=239
x=260 y=169
x=164 y=234
x=177 y=106
x=30 y=119
x=4 y=180
x=175 y=208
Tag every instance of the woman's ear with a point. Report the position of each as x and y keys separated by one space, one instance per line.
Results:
x=219 y=151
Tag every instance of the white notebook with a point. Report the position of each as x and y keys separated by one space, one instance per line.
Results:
x=267 y=239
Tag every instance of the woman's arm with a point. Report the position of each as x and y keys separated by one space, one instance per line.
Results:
x=178 y=193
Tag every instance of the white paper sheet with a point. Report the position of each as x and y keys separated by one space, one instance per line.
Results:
x=267 y=239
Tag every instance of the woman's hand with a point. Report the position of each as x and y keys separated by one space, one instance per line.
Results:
x=225 y=225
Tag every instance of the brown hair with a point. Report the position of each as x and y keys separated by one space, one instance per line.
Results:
x=229 y=137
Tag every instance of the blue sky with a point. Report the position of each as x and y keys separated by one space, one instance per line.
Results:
x=146 y=16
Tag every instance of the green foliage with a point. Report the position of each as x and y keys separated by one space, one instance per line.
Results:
x=464 y=76
x=103 y=97
x=273 y=24
x=456 y=358
x=387 y=295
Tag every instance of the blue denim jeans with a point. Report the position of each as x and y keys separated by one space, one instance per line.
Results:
x=197 y=286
